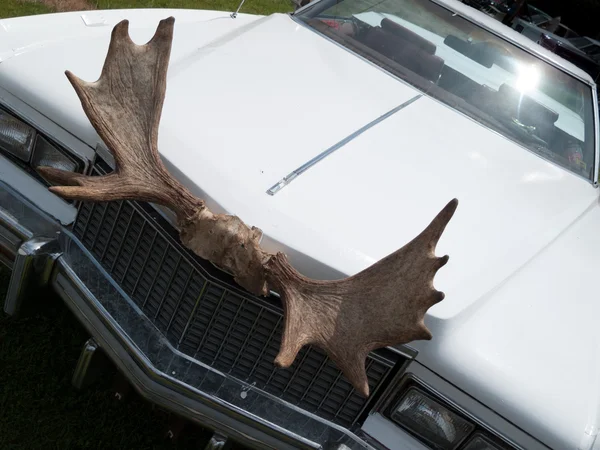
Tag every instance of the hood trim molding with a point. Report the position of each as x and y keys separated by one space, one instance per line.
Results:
x=307 y=165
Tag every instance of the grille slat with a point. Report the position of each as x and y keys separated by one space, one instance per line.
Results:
x=95 y=239
x=137 y=282
x=179 y=299
x=208 y=328
x=119 y=246
x=224 y=341
x=264 y=347
x=213 y=320
x=193 y=312
x=298 y=367
x=314 y=378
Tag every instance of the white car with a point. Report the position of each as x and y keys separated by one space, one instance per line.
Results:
x=340 y=131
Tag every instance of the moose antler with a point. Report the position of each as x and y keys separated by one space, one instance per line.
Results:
x=383 y=305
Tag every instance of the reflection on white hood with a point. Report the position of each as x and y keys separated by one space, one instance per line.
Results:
x=247 y=108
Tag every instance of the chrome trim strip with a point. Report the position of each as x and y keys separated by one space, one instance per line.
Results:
x=19 y=278
x=405 y=350
x=11 y=237
x=304 y=167
x=596 y=108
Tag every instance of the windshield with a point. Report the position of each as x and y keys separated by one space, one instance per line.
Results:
x=470 y=69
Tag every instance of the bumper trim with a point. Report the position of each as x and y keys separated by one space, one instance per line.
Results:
x=217 y=442
x=89 y=350
x=91 y=363
x=21 y=220
x=131 y=331
x=31 y=269
x=145 y=379
x=12 y=233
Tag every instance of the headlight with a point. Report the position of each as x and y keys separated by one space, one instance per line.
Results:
x=16 y=137
x=45 y=154
x=25 y=143
x=430 y=420
x=436 y=422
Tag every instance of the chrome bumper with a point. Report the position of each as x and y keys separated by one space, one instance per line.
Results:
x=40 y=251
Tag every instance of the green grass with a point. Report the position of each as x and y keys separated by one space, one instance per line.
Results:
x=39 y=408
x=16 y=8
x=250 y=6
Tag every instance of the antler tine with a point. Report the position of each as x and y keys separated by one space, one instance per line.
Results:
x=383 y=305
x=124 y=106
x=433 y=232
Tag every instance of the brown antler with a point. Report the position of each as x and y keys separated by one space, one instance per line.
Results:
x=382 y=305
x=124 y=106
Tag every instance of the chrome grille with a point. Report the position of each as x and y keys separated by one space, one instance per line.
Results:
x=207 y=316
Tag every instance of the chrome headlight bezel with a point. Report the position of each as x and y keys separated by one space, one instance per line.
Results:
x=487 y=439
x=408 y=381
x=422 y=415
x=44 y=147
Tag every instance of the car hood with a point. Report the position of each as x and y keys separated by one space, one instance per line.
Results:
x=250 y=101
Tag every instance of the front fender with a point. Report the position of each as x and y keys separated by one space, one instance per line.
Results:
x=530 y=349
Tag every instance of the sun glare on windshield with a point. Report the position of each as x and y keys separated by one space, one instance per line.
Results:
x=528 y=79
